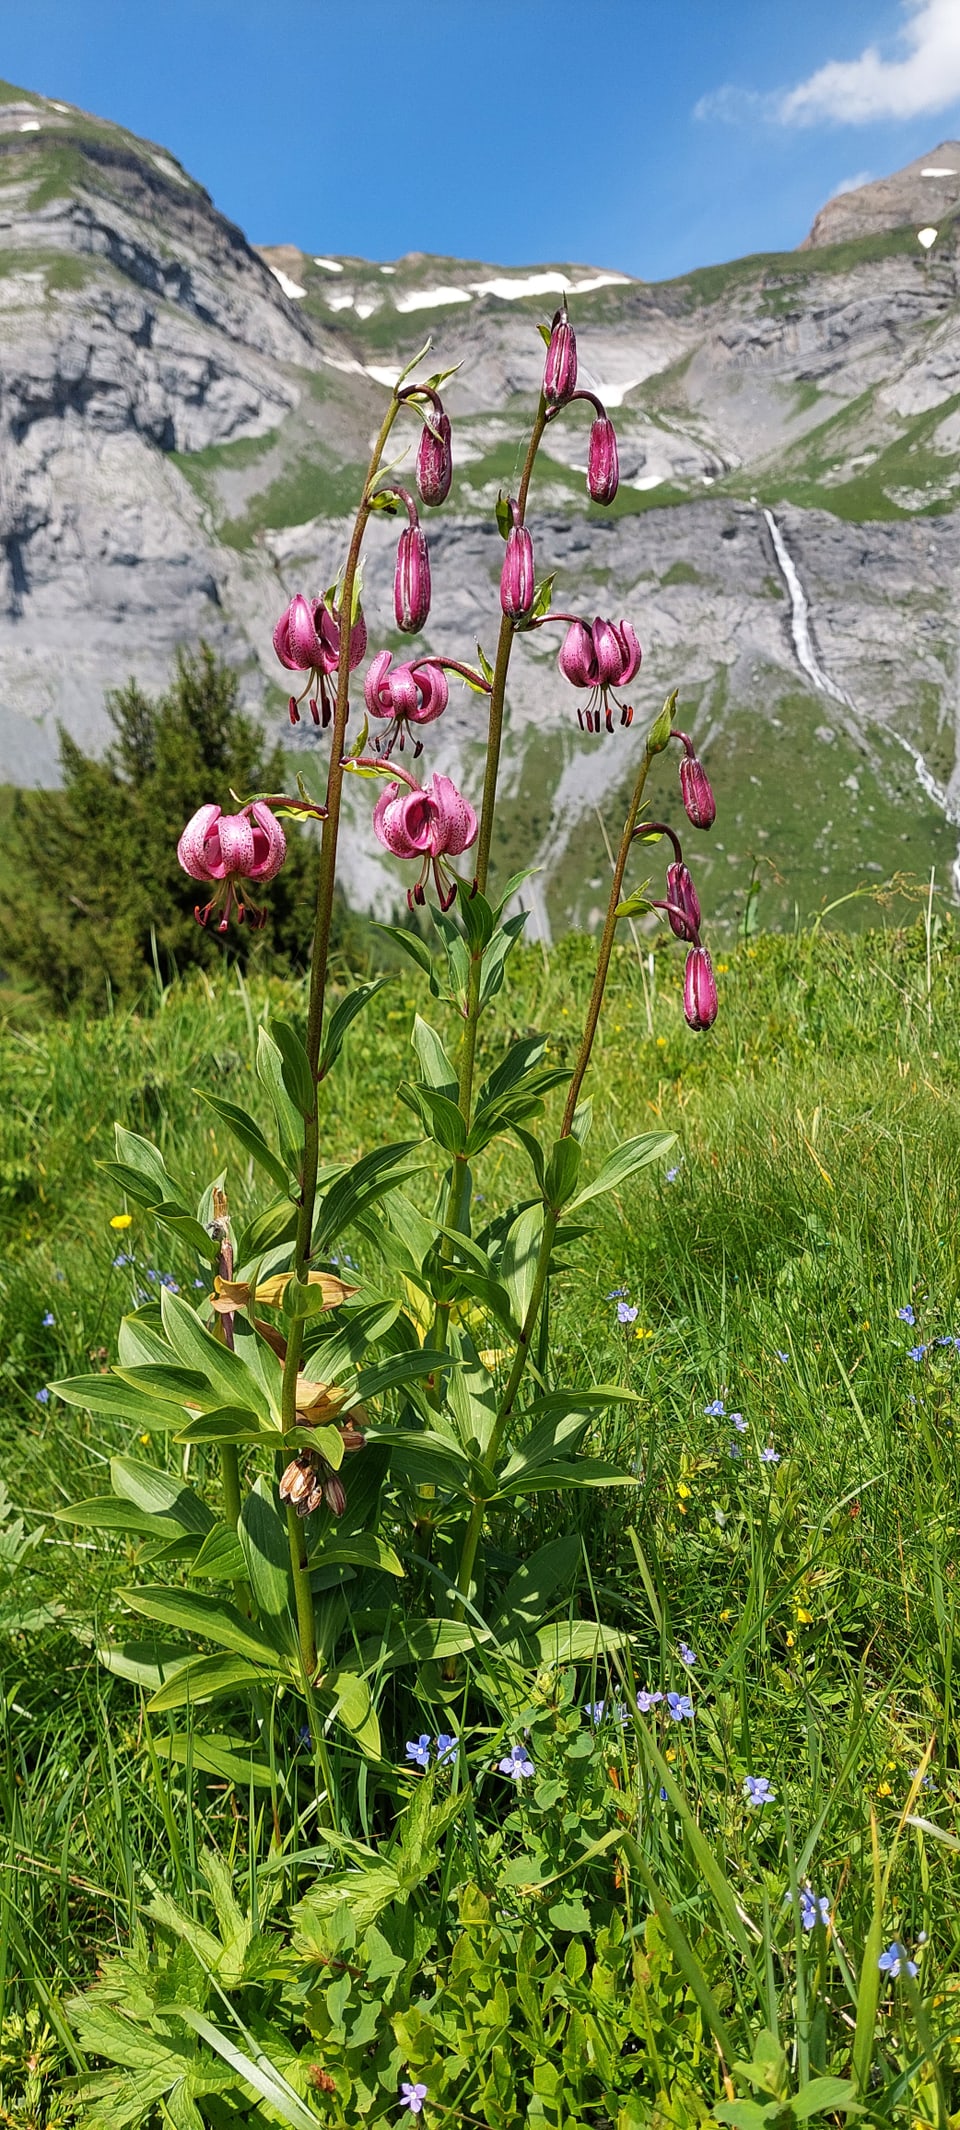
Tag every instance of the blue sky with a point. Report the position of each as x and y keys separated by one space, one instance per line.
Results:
x=649 y=135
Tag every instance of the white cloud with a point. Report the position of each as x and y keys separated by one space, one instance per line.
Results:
x=922 y=78
x=852 y=184
x=925 y=79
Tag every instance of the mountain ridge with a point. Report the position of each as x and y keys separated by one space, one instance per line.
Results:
x=184 y=418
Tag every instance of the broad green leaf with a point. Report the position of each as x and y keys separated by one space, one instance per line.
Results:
x=276 y=1224
x=233 y=1382
x=361 y=1549
x=188 y=1231
x=494 y=960
x=825 y=2096
x=199 y=1679
x=140 y=1343
x=270 y=1075
x=516 y=1106
x=555 y=1478
x=416 y=949
x=334 y=1351
x=228 y=1423
x=577 y=1642
x=634 y=1154
x=250 y=1137
x=194 y=1613
x=214 y=1756
x=160 y=1494
x=369 y=1179
x=110 y=1394
x=342 y=1016
x=563 y=1168
x=518 y=1263
x=168 y=1381
x=435 y=1065
x=142 y=1189
x=355 y=1710
x=295 y=1068
x=105 y=1513
x=138 y=1153
x=146 y=1664
x=424 y=1456
x=266 y=1551
x=400 y=1368
x=220 y=1558
x=438 y=1115
x=528 y=1593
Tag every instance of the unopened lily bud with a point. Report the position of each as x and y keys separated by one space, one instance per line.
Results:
x=411 y=584
x=435 y=461
x=699 y=802
x=334 y=1493
x=699 y=990
x=560 y=368
x=517 y=579
x=683 y=903
x=603 y=463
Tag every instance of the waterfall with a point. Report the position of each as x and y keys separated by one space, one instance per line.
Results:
x=800 y=618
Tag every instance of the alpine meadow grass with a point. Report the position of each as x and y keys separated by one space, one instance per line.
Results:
x=678 y=1916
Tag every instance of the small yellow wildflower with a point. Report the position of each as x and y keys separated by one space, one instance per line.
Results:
x=726 y=1614
x=791 y=1641
x=640 y=1333
x=661 y=1042
x=683 y=1492
x=883 y=1789
x=804 y=1618
x=144 y=1440
x=670 y=1753
x=722 y=968
x=120 y=1220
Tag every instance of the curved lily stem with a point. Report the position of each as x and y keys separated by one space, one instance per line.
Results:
x=318 y=983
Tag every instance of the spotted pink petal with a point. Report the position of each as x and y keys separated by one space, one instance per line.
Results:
x=192 y=849
x=609 y=653
x=235 y=836
x=269 y=843
x=456 y=823
x=304 y=645
x=399 y=823
x=281 y=642
x=576 y=660
x=389 y=694
x=434 y=694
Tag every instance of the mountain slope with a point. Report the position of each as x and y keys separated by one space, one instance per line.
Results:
x=184 y=421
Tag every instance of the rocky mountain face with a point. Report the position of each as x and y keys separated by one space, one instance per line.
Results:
x=183 y=426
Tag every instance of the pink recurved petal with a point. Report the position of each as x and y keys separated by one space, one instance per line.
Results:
x=235 y=837
x=576 y=659
x=434 y=694
x=406 y=838
x=281 y=643
x=269 y=843
x=631 y=652
x=456 y=823
x=609 y=653
x=305 y=646
x=192 y=851
x=389 y=694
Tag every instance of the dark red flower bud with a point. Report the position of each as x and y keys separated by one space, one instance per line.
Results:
x=699 y=989
x=334 y=1493
x=603 y=463
x=683 y=903
x=698 y=799
x=560 y=368
x=517 y=578
x=411 y=584
x=435 y=462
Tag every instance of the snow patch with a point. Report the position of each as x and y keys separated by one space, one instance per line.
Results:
x=646 y=480
x=169 y=169
x=366 y=305
x=29 y=125
x=426 y=299
x=59 y=107
x=384 y=373
x=333 y=266
x=290 y=288
x=340 y=303
x=546 y=284
x=388 y=269
x=938 y=170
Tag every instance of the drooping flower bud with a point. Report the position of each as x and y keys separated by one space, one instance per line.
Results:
x=699 y=990
x=411 y=584
x=435 y=461
x=560 y=368
x=517 y=577
x=683 y=903
x=698 y=800
x=603 y=463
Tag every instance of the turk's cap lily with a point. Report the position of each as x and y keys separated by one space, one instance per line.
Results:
x=307 y=637
x=226 y=849
x=601 y=656
x=412 y=694
x=432 y=822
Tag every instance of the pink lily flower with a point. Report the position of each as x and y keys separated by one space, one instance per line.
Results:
x=432 y=822
x=410 y=694
x=307 y=640
x=601 y=658
x=227 y=849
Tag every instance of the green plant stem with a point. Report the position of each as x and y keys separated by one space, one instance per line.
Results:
x=606 y=948
x=329 y=836
x=230 y=1473
x=541 y=1276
